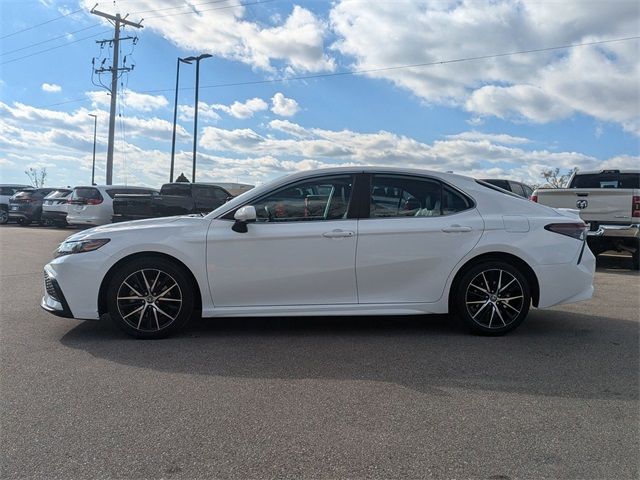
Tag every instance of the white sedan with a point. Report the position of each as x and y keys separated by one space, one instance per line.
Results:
x=343 y=241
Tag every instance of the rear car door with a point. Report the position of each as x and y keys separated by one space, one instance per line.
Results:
x=417 y=231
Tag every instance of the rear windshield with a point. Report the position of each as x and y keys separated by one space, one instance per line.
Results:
x=24 y=193
x=176 y=189
x=606 y=180
x=86 y=193
x=57 y=194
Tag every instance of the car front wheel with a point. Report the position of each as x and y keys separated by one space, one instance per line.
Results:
x=150 y=298
x=493 y=298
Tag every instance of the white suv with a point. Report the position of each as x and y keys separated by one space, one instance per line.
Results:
x=93 y=205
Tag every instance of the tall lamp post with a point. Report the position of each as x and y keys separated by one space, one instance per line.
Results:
x=175 y=117
x=93 y=165
x=195 y=116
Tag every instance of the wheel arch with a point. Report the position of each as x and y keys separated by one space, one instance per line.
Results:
x=104 y=285
x=514 y=260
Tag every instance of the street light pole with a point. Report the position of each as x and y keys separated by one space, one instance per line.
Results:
x=175 y=117
x=195 y=115
x=93 y=165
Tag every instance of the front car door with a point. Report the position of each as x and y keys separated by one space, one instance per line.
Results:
x=300 y=251
x=418 y=229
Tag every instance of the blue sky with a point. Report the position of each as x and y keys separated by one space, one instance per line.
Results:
x=508 y=116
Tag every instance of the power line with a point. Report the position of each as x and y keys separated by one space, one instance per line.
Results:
x=181 y=6
x=53 y=48
x=40 y=24
x=49 y=40
x=211 y=9
x=374 y=70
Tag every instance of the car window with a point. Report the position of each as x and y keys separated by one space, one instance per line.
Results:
x=517 y=188
x=401 y=196
x=527 y=190
x=498 y=183
x=606 y=179
x=325 y=198
x=86 y=193
x=182 y=190
x=220 y=194
x=58 y=194
x=204 y=192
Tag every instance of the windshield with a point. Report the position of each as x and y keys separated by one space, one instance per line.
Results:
x=498 y=189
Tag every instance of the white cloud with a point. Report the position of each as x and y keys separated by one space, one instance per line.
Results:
x=493 y=137
x=51 y=87
x=297 y=40
x=205 y=112
x=283 y=106
x=600 y=81
x=141 y=102
x=246 y=109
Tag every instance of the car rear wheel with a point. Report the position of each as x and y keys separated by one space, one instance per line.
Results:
x=493 y=298
x=4 y=217
x=150 y=298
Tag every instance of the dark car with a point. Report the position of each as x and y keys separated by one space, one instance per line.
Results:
x=26 y=205
x=54 y=207
x=520 y=189
x=173 y=199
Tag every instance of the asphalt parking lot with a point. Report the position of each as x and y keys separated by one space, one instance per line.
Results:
x=317 y=397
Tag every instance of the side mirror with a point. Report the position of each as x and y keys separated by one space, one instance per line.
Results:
x=243 y=215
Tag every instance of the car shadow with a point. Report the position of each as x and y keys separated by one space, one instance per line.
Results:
x=554 y=353
x=614 y=262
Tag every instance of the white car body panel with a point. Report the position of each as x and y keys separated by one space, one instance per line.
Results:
x=388 y=266
x=295 y=264
x=99 y=214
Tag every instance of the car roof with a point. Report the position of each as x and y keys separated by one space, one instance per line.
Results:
x=116 y=186
x=621 y=170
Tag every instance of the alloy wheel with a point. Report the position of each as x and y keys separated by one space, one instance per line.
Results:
x=149 y=300
x=494 y=298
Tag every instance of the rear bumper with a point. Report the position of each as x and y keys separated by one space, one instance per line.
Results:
x=566 y=282
x=626 y=231
x=54 y=216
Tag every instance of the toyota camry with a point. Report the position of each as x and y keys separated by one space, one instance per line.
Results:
x=342 y=241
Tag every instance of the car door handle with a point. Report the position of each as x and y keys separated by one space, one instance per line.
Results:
x=456 y=228
x=337 y=233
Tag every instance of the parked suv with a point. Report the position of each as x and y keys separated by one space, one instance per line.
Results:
x=54 y=207
x=174 y=199
x=6 y=192
x=520 y=189
x=93 y=205
x=26 y=205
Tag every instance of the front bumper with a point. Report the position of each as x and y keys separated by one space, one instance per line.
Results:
x=53 y=300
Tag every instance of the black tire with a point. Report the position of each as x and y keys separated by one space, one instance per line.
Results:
x=4 y=216
x=635 y=257
x=163 y=311
x=492 y=297
x=24 y=222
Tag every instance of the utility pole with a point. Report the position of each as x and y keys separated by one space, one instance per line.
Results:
x=118 y=22
x=93 y=165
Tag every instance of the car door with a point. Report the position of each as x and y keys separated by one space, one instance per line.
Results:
x=417 y=231
x=300 y=250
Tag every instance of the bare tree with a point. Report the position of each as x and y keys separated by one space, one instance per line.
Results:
x=37 y=177
x=555 y=179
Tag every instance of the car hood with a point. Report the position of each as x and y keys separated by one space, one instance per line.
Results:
x=124 y=227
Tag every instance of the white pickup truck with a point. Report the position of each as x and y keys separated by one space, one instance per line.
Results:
x=609 y=201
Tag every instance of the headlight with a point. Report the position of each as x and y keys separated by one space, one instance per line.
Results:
x=79 y=246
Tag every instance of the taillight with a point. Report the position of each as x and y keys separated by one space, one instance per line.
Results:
x=573 y=230
x=635 y=206
x=534 y=198
x=94 y=201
